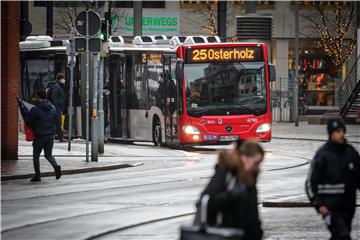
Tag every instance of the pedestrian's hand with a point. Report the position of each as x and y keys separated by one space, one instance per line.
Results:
x=324 y=211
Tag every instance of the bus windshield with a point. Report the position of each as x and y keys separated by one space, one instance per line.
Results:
x=225 y=88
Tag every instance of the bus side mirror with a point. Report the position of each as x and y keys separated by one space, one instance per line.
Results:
x=179 y=70
x=272 y=73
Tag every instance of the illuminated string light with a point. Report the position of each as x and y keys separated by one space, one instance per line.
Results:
x=212 y=21
x=333 y=44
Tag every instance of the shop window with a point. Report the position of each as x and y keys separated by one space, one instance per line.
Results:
x=317 y=77
x=324 y=5
x=237 y=4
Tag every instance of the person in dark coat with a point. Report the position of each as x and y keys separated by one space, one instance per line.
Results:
x=232 y=190
x=332 y=181
x=56 y=96
x=42 y=119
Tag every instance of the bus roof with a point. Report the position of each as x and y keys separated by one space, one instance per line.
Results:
x=129 y=47
x=58 y=48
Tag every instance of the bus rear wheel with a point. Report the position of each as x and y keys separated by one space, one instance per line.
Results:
x=156 y=132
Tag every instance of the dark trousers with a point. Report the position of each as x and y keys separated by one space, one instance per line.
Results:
x=59 y=131
x=340 y=226
x=45 y=142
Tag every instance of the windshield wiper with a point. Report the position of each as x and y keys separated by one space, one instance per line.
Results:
x=206 y=111
x=243 y=107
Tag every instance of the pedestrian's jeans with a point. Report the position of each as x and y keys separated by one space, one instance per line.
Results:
x=41 y=142
x=340 y=225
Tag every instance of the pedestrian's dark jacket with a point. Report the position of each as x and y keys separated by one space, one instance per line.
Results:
x=237 y=206
x=42 y=118
x=57 y=96
x=333 y=177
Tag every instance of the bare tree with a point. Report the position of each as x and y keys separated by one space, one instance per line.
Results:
x=333 y=22
x=211 y=24
x=65 y=18
x=211 y=27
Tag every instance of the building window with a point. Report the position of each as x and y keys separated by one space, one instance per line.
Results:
x=146 y=4
x=237 y=4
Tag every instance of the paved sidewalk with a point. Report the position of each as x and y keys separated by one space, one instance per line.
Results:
x=123 y=155
x=116 y=156
x=311 y=132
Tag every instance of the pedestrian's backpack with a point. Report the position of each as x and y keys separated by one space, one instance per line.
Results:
x=29 y=134
x=49 y=89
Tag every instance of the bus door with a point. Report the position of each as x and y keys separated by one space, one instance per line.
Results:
x=171 y=99
x=116 y=102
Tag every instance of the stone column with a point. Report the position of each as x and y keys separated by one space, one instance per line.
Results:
x=10 y=32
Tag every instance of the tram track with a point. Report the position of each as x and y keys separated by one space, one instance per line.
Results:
x=114 y=195
x=89 y=214
x=140 y=224
x=145 y=173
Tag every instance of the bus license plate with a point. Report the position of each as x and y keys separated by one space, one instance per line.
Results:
x=229 y=138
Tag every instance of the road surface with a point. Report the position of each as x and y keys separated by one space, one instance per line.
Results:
x=153 y=200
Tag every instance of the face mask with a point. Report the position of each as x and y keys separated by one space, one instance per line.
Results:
x=62 y=81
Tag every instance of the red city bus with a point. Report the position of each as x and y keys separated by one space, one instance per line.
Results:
x=189 y=92
x=226 y=93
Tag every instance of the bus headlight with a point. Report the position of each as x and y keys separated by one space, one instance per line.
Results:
x=263 y=128
x=188 y=129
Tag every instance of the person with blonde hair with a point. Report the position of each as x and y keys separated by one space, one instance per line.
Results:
x=232 y=190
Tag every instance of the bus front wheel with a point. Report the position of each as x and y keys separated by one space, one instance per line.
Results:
x=157 y=132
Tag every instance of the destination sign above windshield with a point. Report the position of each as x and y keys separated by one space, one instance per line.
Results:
x=224 y=54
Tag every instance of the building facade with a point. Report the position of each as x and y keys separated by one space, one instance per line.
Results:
x=319 y=78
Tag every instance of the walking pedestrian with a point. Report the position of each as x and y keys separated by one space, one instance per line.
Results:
x=232 y=190
x=333 y=178
x=42 y=119
x=56 y=95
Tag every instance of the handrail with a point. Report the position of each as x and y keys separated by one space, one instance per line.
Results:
x=348 y=86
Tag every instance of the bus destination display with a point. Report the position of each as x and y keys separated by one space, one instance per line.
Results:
x=232 y=54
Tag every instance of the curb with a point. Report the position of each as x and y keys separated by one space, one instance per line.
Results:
x=95 y=236
x=309 y=139
x=286 y=204
x=71 y=171
x=290 y=204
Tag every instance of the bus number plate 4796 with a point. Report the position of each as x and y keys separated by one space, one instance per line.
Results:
x=229 y=138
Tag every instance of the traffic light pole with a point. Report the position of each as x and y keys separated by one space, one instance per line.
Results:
x=72 y=65
x=296 y=79
x=94 y=119
x=101 y=107
x=138 y=18
x=87 y=86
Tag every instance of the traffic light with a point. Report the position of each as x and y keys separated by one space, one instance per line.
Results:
x=94 y=45
x=104 y=31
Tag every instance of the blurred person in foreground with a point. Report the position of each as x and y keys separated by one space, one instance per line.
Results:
x=232 y=190
x=333 y=178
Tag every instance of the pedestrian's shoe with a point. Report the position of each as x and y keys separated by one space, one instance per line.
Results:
x=35 y=179
x=58 y=171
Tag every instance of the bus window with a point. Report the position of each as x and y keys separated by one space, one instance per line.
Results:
x=155 y=80
x=138 y=94
x=37 y=73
